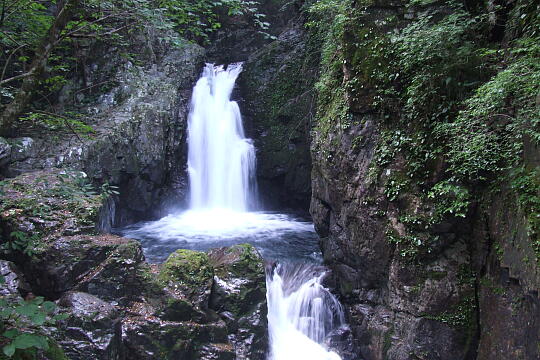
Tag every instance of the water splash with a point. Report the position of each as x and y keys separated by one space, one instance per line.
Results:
x=221 y=161
x=301 y=313
x=276 y=236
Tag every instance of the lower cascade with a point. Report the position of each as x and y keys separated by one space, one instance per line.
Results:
x=302 y=313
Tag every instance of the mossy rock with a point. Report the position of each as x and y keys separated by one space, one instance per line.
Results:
x=47 y=204
x=240 y=283
x=189 y=274
x=239 y=260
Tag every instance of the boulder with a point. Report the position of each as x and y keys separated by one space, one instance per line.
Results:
x=14 y=284
x=99 y=264
x=92 y=330
x=187 y=276
x=149 y=338
x=5 y=152
x=239 y=296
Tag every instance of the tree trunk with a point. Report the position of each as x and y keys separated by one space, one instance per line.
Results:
x=65 y=10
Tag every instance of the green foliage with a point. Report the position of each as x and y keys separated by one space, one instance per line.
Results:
x=438 y=65
x=488 y=135
x=21 y=242
x=69 y=121
x=332 y=106
x=451 y=199
x=21 y=323
x=108 y=190
x=456 y=111
x=413 y=245
x=526 y=185
x=26 y=23
x=460 y=316
x=197 y=19
x=394 y=186
x=75 y=186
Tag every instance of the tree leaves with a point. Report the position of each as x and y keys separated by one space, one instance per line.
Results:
x=23 y=320
x=25 y=341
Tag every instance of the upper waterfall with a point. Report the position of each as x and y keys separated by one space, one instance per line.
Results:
x=221 y=161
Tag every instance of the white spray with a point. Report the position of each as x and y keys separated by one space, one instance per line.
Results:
x=301 y=313
x=221 y=161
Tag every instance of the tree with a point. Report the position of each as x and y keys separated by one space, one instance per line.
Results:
x=64 y=13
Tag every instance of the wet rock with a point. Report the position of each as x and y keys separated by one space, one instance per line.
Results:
x=188 y=277
x=99 y=264
x=48 y=204
x=92 y=330
x=341 y=341
x=239 y=279
x=149 y=338
x=22 y=148
x=116 y=278
x=139 y=116
x=5 y=152
x=239 y=295
x=14 y=283
x=276 y=87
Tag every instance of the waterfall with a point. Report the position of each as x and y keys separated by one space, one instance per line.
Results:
x=301 y=313
x=221 y=161
x=221 y=165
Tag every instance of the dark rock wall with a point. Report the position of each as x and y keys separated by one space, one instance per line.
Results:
x=472 y=293
x=145 y=152
x=137 y=106
x=278 y=103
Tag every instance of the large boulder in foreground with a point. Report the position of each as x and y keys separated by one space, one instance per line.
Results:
x=189 y=273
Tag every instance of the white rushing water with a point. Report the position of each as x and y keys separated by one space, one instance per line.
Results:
x=301 y=313
x=221 y=167
x=221 y=161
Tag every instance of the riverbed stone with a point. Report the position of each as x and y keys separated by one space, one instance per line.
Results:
x=14 y=284
x=239 y=296
x=187 y=277
x=92 y=329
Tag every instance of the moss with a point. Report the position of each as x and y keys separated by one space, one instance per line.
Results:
x=250 y=263
x=489 y=284
x=178 y=310
x=187 y=267
x=461 y=316
x=526 y=184
x=53 y=201
x=387 y=342
x=241 y=267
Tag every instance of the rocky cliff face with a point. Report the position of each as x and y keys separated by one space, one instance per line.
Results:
x=137 y=106
x=432 y=249
x=276 y=87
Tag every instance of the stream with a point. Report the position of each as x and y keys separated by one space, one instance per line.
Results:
x=223 y=212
